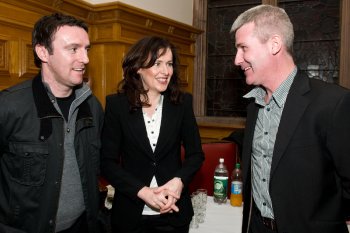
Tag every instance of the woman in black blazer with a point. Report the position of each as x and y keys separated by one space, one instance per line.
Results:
x=146 y=123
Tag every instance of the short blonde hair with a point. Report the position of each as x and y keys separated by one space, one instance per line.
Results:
x=268 y=20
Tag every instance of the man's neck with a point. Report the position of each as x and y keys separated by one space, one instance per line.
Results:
x=283 y=65
x=56 y=88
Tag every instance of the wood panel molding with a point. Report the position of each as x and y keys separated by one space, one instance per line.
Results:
x=140 y=19
x=117 y=26
x=4 y=58
x=218 y=127
x=27 y=68
x=7 y=71
x=113 y=28
x=199 y=80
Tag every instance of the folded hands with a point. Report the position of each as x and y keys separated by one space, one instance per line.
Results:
x=163 y=198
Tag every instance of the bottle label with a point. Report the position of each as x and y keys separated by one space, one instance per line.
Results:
x=220 y=186
x=236 y=187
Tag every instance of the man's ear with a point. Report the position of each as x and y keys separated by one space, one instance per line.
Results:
x=276 y=44
x=42 y=53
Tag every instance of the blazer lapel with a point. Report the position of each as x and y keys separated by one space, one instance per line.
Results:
x=168 y=124
x=138 y=129
x=293 y=111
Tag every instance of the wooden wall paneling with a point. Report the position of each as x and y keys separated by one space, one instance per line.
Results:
x=200 y=60
x=186 y=73
x=16 y=14
x=27 y=67
x=113 y=28
x=96 y=76
x=15 y=35
x=5 y=77
x=16 y=59
x=115 y=54
x=78 y=8
x=105 y=68
x=118 y=26
x=219 y=127
x=103 y=32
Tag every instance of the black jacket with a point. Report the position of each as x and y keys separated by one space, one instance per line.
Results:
x=129 y=163
x=31 y=157
x=310 y=175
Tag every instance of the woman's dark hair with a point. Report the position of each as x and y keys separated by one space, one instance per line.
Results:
x=46 y=27
x=143 y=54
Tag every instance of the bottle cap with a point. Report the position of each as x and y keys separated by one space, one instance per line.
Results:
x=221 y=160
x=238 y=165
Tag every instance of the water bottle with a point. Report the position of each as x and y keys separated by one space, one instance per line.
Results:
x=220 y=182
x=236 y=186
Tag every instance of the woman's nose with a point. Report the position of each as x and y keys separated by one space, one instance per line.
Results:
x=165 y=69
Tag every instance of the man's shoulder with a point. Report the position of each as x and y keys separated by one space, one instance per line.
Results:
x=94 y=103
x=318 y=86
x=17 y=90
x=325 y=87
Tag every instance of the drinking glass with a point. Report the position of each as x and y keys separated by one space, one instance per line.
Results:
x=202 y=195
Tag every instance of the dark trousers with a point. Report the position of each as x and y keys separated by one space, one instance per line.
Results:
x=155 y=224
x=80 y=226
x=256 y=224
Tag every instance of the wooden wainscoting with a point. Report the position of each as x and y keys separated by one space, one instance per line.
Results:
x=117 y=26
x=217 y=128
x=16 y=56
x=113 y=27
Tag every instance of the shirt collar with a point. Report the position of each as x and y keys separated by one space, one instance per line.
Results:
x=279 y=96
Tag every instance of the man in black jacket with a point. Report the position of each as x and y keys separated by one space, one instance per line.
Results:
x=296 y=142
x=50 y=137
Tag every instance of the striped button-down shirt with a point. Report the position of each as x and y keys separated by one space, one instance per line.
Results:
x=266 y=128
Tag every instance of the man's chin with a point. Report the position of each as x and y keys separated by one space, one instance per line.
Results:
x=77 y=82
x=249 y=81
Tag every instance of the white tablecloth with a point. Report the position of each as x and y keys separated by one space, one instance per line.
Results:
x=222 y=218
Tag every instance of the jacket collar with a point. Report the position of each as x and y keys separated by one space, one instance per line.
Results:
x=295 y=106
x=46 y=111
x=42 y=100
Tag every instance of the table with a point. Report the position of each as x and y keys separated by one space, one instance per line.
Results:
x=222 y=218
